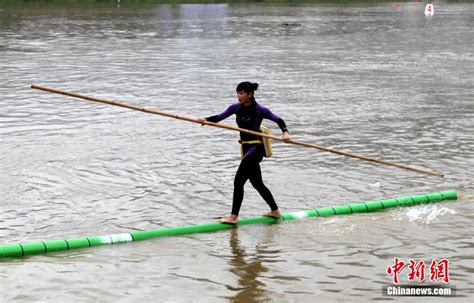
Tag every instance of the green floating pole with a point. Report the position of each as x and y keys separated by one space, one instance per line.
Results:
x=33 y=248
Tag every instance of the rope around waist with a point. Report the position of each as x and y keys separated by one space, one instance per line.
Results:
x=250 y=142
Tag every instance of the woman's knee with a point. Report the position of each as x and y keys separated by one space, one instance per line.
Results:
x=239 y=181
x=257 y=182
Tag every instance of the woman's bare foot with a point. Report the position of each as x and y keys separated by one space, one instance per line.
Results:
x=273 y=214
x=232 y=219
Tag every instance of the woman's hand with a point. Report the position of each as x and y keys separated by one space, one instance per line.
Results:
x=201 y=120
x=286 y=137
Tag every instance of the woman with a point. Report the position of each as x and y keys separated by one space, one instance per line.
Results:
x=249 y=115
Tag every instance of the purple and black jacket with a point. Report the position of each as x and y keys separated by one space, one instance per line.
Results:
x=249 y=117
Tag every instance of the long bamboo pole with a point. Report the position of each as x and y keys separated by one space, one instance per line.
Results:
x=220 y=125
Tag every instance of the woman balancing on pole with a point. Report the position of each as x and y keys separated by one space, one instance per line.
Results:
x=249 y=115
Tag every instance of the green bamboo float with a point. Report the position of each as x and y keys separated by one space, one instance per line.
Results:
x=33 y=248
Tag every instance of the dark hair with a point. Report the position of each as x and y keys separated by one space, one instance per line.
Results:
x=247 y=87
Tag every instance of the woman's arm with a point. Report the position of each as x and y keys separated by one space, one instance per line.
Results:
x=225 y=114
x=268 y=114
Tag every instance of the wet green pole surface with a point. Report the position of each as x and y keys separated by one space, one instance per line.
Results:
x=33 y=248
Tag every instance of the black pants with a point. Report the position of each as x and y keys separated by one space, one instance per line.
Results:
x=249 y=169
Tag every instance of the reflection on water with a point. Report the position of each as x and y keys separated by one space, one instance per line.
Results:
x=251 y=289
x=371 y=78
